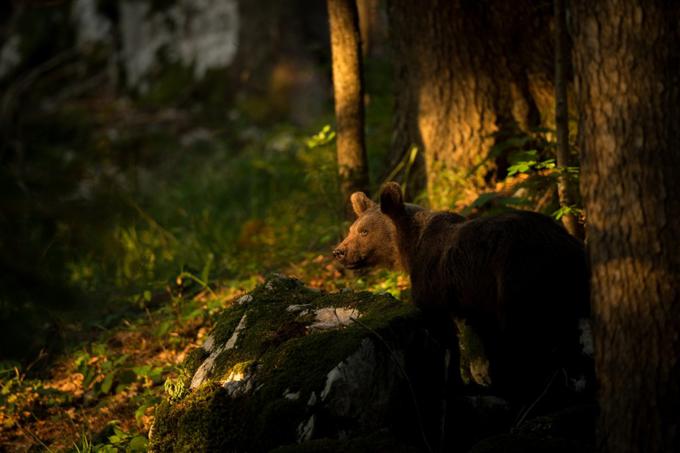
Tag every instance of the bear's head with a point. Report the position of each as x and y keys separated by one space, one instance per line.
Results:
x=371 y=241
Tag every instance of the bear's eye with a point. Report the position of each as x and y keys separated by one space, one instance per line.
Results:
x=364 y=232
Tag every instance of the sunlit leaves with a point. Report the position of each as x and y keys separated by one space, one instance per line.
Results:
x=568 y=210
x=325 y=136
x=122 y=440
x=526 y=161
x=175 y=389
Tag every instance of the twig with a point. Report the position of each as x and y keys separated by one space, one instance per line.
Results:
x=36 y=438
x=408 y=381
x=41 y=355
x=191 y=276
x=150 y=220
x=539 y=398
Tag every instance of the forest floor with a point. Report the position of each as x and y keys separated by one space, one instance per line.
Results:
x=102 y=395
x=149 y=225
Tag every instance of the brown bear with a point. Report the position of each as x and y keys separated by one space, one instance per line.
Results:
x=372 y=238
x=518 y=278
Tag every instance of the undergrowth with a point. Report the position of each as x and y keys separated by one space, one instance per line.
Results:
x=194 y=233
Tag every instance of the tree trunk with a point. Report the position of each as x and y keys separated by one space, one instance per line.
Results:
x=369 y=24
x=564 y=189
x=458 y=91
x=348 y=88
x=627 y=66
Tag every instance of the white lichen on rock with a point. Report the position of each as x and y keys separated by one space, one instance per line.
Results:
x=300 y=307
x=209 y=344
x=292 y=396
x=332 y=317
x=231 y=343
x=305 y=430
x=244 y=299
x=206 y=368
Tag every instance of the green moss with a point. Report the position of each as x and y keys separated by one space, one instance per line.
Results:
x=283 y=357
x=194 y=360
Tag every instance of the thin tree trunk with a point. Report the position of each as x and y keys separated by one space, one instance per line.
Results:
x=368 y=24
x=627 y=63
x=348 y=88
x=562 y=55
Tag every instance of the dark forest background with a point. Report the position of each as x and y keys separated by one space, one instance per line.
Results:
x=159 y=158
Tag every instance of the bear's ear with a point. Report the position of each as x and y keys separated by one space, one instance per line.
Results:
x=360 y=202
x=391 y=199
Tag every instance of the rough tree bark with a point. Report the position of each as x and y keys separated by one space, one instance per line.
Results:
x=348 y=88
x=458 y=91
x=627 y=66
x=562 y=58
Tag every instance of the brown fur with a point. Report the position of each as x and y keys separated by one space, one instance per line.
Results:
x=371 y=240
x=519 y=278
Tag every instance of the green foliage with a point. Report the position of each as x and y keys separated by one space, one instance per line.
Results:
x=382 y=282
x=125 y=441
x=85 y=444
x=526 y=161
x=324 y=137
x=22 y=398
x=532 y=175
x=100 y=371
x=104 y=373
x=145 y=215
x=118 y=441
x=405 y=166
x=566 y=210
x=224 y=215
x=175 y=389
x=149 y=374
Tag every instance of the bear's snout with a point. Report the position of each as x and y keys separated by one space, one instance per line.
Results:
x=339 y=253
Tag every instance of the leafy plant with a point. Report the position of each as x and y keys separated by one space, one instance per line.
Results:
x=324 y=137
x=126 y=441
x=526 y=161
x=532 y=176
x=566 y=210
x=175 y=389
x=99 y=370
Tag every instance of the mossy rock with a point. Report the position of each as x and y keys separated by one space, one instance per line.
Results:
x=289 y=365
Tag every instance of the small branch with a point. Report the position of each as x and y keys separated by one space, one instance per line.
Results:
x=34 y=437
x=536 y=401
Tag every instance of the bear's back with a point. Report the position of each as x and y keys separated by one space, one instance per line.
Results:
x=490 y=265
